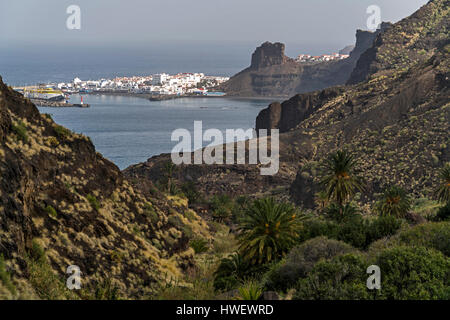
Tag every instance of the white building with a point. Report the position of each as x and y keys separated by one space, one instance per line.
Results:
x=159 y=79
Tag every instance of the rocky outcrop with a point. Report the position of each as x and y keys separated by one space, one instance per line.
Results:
x=273 y=74
x=269 y=54
x=405 y=44
x=290 y=113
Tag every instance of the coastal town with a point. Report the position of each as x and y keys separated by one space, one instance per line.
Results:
x=154 y=87
x=160 y=86
x=156 y=84
x=306 y=58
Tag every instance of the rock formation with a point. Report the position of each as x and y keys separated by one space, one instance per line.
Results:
x=273 y=74
x=269 y=54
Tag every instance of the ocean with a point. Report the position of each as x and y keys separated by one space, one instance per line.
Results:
x=129 y=130
x=27 y=65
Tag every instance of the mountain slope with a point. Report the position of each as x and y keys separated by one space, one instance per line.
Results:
x=58 y=194
x=396 y=123
x=406 y=44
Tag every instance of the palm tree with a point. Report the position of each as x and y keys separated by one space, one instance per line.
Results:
x=339 y=179
x=268 y=230
x=443 y=191
x=394 y=202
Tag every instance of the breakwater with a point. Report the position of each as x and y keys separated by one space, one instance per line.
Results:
x=58 y=104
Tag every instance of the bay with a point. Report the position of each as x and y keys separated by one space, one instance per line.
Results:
x=128 y=130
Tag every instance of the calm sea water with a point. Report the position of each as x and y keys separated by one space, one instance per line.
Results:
x=128 y=130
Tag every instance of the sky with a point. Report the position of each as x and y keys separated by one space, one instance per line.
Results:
x=134 y=23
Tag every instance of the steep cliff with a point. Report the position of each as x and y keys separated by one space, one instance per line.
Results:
x=396 y=122
x=269 y=54
x=62 y=200
x=406 y=44
x=271 y=73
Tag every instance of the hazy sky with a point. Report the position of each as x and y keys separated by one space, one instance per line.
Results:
x=138 y=22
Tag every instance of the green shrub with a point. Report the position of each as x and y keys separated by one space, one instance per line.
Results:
x=62 y=132
x=45 y=282
x=201 y=289
x=37 y=253
x=221 y=207
x=301 y=260
x=340 y=213
x=414 y=273
x=432 y=235
x=151 y=213
x=443 y=213
x=191 y=193
x=313 y=228
x=20 y=130
x=425 y=207
x=176 y=221
x=341 y=278
x=51 y=211
x=235 y=269
x=356 y=231
x=250 y=290
x=5 y=277
x=105 y=290
x=381 y=227
x=199 y=245
x=93 y=202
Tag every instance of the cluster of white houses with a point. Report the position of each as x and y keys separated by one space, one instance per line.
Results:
x=159 y=84
x=304 y=58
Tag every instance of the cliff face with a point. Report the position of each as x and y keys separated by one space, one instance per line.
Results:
x=269 y=54
x=396 y=124
x=273 y=74
x=290 y=113
x=407 y=43
x=58 y=194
